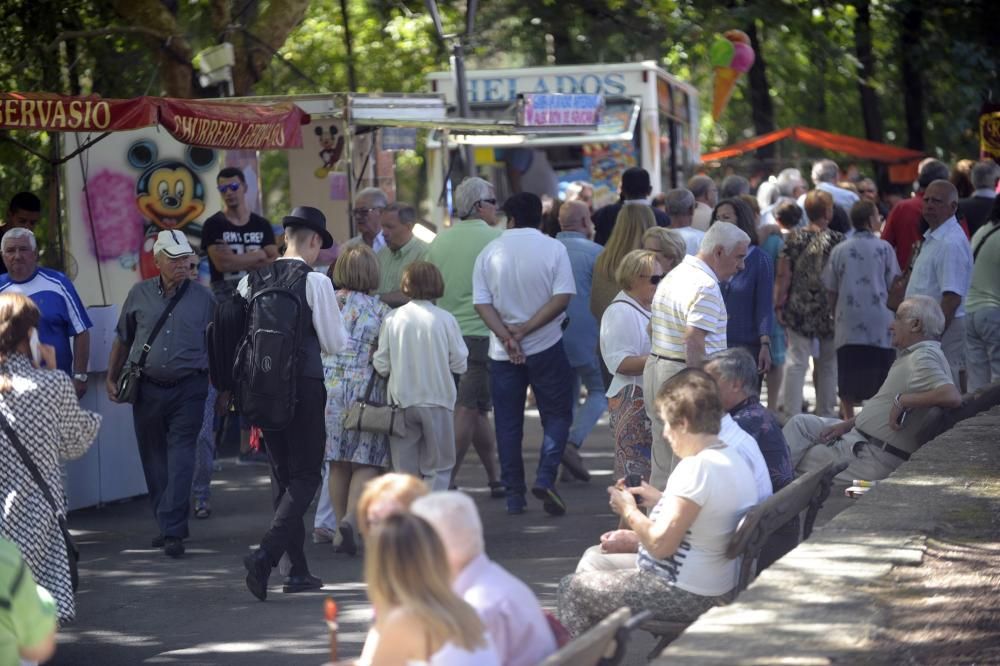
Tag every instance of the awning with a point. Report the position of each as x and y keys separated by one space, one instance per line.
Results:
x=211 y=124
x=902 y=161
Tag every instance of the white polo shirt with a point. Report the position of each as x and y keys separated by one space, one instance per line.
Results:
x=944 y=264
x=517 y=274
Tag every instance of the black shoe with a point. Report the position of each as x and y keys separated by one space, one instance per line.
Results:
x=551 y=502
x=158 y=541
x=572 y=462
x=497 y=490
x=258 y=566
x=515 y=505
x=347 y=544
x=301 y=584
x=173 y=547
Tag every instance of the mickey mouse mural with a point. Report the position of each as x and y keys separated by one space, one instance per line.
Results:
x=331 y=149
x=169 y=194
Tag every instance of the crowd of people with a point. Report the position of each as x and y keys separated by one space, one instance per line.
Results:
x=669 y=314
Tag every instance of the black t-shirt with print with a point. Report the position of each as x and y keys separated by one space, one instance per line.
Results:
x=218 y=230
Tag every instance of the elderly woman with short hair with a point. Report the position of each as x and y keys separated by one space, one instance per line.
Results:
x=624 y=347
x=668 y=244
x=679 y=568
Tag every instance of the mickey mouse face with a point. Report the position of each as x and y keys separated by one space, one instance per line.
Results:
x=169 y=193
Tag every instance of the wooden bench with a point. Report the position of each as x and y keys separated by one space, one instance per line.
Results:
x=806 y=493
x=602 y=645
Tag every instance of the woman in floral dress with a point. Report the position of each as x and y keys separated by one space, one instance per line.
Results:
x=354 y=457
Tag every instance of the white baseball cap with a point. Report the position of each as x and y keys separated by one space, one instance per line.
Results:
x=172 y=243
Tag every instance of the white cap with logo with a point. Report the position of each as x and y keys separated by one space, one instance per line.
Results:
x=172 y=243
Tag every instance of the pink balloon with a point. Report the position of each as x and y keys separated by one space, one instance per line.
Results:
x=743 y=57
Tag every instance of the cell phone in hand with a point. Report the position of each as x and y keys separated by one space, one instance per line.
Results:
x=34 y=345
x=902 y=417
x=634 y=481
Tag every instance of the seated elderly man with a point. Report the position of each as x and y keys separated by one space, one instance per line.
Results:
x=883 y=435
x=508 y=608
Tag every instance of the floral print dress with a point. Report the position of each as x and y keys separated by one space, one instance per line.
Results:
x=808 y=310
x=347 y=375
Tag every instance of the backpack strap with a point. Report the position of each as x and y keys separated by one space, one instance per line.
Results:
x=996 y=228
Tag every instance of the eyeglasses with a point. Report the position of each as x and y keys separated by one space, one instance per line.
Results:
x=362 y=212
x=492 y=202
x=231 y=187
x=867 y=191
x=654 y=279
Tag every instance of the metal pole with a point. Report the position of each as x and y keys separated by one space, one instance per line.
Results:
x=461 y=92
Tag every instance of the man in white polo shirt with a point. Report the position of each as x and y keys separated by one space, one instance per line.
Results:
x=689 y=323
x=521 y=285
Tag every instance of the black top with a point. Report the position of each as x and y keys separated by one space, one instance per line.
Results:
x=604 y=221
x=254 y=235
x=976 y=211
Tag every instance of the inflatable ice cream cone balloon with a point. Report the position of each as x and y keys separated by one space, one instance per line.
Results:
x=731 y=55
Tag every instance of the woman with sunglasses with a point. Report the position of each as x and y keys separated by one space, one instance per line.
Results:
x=624 y=346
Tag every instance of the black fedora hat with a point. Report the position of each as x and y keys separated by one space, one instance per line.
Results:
x=310 y=218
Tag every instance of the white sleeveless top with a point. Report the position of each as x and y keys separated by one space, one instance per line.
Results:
x=452 y=655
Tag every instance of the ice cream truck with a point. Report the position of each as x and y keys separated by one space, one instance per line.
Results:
x=650 y=119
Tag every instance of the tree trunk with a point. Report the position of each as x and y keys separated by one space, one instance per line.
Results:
x=762 y=108
x=265 y=36
x=172 y=50
x=869 y=100
x=911 y=72
x=352 y=76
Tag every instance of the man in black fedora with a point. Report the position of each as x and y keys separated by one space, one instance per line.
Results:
x=296 y=451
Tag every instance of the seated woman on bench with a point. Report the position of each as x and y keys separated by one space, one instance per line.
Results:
x=674 y=561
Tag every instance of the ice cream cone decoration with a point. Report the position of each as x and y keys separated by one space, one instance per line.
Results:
x=731 y=55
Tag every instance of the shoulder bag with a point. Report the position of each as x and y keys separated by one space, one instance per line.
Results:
x=368 y=416
x=897 y=290
x=72 y=553
x=986 y=236
x=131 y=373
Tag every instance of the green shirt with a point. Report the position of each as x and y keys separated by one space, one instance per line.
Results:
x=985 y=290
x=454 y=252
x=27 y=611
x=392 y=263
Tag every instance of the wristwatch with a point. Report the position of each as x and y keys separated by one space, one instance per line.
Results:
x=80 y=377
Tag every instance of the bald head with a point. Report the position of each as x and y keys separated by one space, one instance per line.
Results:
x=575 y=216
x=940 y=203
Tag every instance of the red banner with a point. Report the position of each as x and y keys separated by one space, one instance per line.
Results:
x=56 y=113
x=226 y=125
x=233 y=125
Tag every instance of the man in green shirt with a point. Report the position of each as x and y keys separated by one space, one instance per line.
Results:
x=27 y=612
x=401 y=249
x=454 y=252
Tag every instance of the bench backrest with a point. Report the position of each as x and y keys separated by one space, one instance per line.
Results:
x=809 y=491
x=590 y=647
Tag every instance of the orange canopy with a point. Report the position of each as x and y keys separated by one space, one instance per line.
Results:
x=902 y=161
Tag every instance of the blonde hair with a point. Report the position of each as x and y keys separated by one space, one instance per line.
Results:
x=633 y=265
x=357 y=269
x=670 y=242
x=422 y=281
x=18 y=315
x=406 y=567
x=401 y=488
x=632 y=221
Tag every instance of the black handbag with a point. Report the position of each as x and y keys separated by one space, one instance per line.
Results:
x=72 y=552
x=127 y=386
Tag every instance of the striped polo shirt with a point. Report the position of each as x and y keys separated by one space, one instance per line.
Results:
x=688 y=296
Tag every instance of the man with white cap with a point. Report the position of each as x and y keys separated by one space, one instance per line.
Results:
x=174 y=380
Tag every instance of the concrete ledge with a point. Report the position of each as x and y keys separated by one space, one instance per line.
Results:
x=827 y=600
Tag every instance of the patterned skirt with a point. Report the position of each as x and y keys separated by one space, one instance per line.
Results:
x=632 y=431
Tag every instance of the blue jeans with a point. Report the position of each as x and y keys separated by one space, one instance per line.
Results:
x=204 y=456
x=551 y=379
x=586 y=416
x=167 y=421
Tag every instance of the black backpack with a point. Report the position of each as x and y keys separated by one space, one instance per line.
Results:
x=267 y=362
x=225 y=334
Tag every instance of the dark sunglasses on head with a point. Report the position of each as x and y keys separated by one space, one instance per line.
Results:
x=232 y=187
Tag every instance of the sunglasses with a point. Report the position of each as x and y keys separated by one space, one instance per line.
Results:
x=492 y=202
x=231 y=187
x=655 y=279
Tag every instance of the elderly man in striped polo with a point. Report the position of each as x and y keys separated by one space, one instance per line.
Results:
x=689 y=323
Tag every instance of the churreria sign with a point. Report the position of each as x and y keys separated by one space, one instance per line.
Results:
x=226 y=133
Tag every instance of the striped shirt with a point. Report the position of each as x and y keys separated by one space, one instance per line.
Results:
x=688 y=296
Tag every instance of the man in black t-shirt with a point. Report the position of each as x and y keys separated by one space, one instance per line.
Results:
x=236 y=240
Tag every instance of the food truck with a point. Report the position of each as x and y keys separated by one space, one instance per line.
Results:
x=650 y=119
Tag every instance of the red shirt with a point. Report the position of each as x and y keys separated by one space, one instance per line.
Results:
x=902 y=227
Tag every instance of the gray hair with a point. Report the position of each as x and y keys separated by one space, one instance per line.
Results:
x=680 y=202
x=576 y=188
x=767 y=193
x=700 y=185
x=825 y=171
x=377 y=196
x=19 y=232
x=931 y=170
x=733 y=186
x=406 y=213
x=454 y=516
x=985 y=174
x=725 y=234
x=788 y=180
x=928 y=312
x=736 y=365
x=470 y=192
